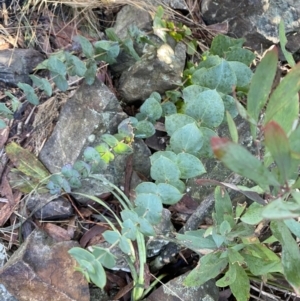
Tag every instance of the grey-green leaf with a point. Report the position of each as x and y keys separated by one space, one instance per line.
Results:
x=207 y=108
x=189 y=166
x=188 y=139
x=177 y=121
x=165 y=170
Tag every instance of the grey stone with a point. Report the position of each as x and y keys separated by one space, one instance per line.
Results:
x=16 y=65
x=256 y=20
x=46 y=207
x=3 y=255
x=93 y=110
x=42 y=269
x=175 y=290
x=158 y=70
x=5 y=295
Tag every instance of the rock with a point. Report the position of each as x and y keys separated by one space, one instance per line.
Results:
x=93 y=110
x=45 y=209
x=3 y=255
x=256 y=20
x=17 y=64
x=158 y=70
x=175 y=4
x=165 y=227
x=42 y=269
x=130 y=15
x=174 y=290
x=5 y=295
x=127 y=17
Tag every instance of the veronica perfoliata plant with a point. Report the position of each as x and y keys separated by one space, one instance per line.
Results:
x=273 y=117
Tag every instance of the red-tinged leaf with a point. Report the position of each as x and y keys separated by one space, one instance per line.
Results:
x=277 y=143
x=239 y=160
x=261 y=84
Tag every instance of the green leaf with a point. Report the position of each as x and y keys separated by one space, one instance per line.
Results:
x=81 y=254
x=260 y=267
x=156 y=96
x=232 y=128
x=4 y=109
x=56 y=66
x=105 y=153
x=192 y=92
x=165 y=170
x=223 y=205
x=144 y=129
x=83 y=168
x=230 y=105
x=60 y=81
x=149 y=206
x=280 y=209
x=93 y=157
x=229 y=276
x=258 y=93
x=294 y=226
x=123 y=149
x=242 y=72
x=168 y=108
x=169 y=194
x=129 y=229
x=129 y=214
x=145 y=227
x=283 y=105
x=146 y=187
x=99 y=277
x=42 y=84
x=177 y=121
x=290 y=257
x=283 y=41
x=222 y=44
x=253 y=214
x=111 y=236
x=107 y=51
x=176 y=183
x=110 y=140
x=188 y=139
x=72 y=175
x=87 y=47
x=277 y=143
x=126 y=127
x=221 y=78
x=104 y=256
x=90 y=73
x=127 y=44
x=159 y=27
x=196 y=241
x=29 y=93
x=240 y=288
x=75 y=65
x=168 y=154
x=189 y=166
x=210 y=262
x=206 y=150
x=191 y=48
x=206 y=108
x=241 y=55
x=151 y=108
x=239 y=160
